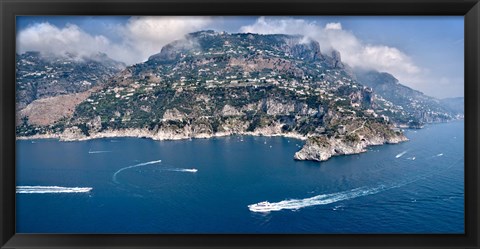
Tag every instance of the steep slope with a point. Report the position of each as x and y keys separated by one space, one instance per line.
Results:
x=41 y=76
x=455 y=105
x=46 y=111
x=217 y=84
x=420 y=107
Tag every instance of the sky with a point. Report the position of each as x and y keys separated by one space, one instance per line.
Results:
x=425 y=53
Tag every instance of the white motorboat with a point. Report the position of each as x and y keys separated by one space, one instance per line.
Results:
x=263 y=206
x=191 y=170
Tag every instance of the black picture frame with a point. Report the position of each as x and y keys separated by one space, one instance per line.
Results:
x=9 y=9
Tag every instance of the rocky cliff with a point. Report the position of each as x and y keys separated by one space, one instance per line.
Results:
x=321 y=148
x=217 y=84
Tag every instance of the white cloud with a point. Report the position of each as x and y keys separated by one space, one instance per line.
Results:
x=280 y=26
x=333 y=25
x=142 y=37
x=332 y=36
x=48 y=38
x=147 y=35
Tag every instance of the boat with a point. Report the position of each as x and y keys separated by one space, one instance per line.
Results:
x=190 y=170
x=263 y=206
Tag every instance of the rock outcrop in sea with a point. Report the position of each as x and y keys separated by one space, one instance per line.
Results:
x=322 y=148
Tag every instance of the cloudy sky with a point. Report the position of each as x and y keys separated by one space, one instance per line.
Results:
x=425 y=53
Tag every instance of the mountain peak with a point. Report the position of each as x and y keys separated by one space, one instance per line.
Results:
x=204 y=33
x=212 y=42
x=375 y=76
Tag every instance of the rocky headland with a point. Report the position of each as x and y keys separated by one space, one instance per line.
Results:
x=214 y=84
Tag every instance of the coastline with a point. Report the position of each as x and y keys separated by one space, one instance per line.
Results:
x=142 y=133
x=315 y=150
x=311 y=151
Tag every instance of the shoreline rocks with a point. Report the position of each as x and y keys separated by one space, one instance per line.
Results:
x=74 y=134
x=316 y=148
x=322 y=148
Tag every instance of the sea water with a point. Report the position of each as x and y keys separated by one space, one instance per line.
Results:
x=132 y=185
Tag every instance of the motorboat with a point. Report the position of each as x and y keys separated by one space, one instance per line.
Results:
x=263 y=206
x=191 y=170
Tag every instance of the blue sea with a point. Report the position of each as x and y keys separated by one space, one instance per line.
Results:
x=132 y=185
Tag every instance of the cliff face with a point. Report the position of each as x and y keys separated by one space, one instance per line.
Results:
x=217 y=84
x=322 y=148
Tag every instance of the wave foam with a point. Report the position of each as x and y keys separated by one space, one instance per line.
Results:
x=50 y=190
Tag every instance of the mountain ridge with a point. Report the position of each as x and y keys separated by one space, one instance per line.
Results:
x=214 y=83
x=423 y=108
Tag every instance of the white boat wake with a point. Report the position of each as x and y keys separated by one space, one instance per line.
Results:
x=131 y=167
x=184 y=170
x=401 y=154
x=323 y=199
x=98 y=151
x=50 y=190
x=114 y=178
